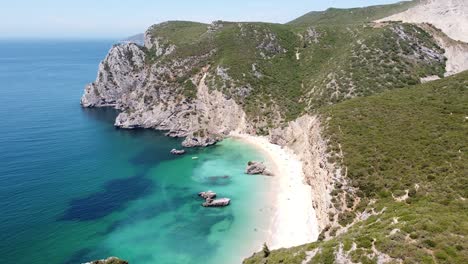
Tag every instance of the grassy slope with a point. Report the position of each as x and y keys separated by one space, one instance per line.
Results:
x=358 y=60
x=350 y=16
x=393 y=142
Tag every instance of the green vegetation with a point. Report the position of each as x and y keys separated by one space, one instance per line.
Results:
x=360 y=61
x=351 y=16
x=404 y=144
x=266 y=250
x=279 y=72
x=411 y=140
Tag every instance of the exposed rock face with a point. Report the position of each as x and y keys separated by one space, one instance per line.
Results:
x=207 y=195
x=119 y=74
x=177 y=152
x=451 y=16
x=216 y=202
x=255 y=167
x=446 y=21
x=305 y=137
x=456 y=52
x=111 y=260
x=150 y=96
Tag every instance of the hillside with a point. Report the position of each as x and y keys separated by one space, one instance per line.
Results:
x=406 y=153
x=267 y=74
x=337 y=16
x=384 y=155
x=451 y=16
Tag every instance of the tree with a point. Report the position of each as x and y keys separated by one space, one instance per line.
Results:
x=266 y=250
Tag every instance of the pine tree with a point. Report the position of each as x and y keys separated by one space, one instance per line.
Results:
x=266 y=250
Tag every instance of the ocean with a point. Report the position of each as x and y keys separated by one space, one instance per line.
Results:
x=73 y=188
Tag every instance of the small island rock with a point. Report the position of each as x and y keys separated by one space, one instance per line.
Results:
x=255 y=167
x=207 y=195
x=216 y=202
x=111 y=260
x=177 y=152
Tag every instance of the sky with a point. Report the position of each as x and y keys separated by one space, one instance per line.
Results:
x=119 y=19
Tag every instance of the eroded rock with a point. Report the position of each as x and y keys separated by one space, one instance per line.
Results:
x=255 y=168
x=177 y=152
x=111 y=260
x=207 y=195
x=217 y=202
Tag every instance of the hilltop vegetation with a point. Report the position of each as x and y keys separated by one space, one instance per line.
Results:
x=406 y=152
x=351 y=16
x=401 y=144
x=279 y=72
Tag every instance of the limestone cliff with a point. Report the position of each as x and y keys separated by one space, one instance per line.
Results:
x=447 y=22
x=157 y=96
x=203 y=81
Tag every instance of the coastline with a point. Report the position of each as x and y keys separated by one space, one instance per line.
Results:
x=294 y=221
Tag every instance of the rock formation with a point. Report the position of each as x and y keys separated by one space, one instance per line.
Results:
x=207 y=195
x=451 y=16
x=446 y=21
x=210 y=200
x=177 y=152
x=255 y=167
x=216 y=202
x=111 y=260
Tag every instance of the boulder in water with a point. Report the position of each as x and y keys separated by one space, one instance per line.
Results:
x=216 y=202
x=177 y=152
x=255 y=167
x=207 y=195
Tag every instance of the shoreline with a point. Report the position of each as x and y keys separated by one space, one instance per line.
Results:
x=294 y=221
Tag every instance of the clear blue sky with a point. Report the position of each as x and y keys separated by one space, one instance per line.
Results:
x=119 y=18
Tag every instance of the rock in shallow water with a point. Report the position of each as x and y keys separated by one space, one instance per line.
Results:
x=216 y=202
x=177 y=152
x=111 y=260
x=207 y=195
x=255 y=167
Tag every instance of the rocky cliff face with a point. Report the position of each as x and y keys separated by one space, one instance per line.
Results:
x=306 y=138
x=160 y=96
x=446 y=21
x=451 y=16
x=204 y=81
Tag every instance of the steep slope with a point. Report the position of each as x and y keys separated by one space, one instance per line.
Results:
x=447 y=22
x=296 y=83
x=451 y=16
x=405 y=151
x=337 y=16
x=204 y=81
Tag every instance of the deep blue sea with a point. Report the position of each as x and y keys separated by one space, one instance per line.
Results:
x=74 y=189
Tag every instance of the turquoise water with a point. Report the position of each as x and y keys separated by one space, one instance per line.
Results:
x=73 y=188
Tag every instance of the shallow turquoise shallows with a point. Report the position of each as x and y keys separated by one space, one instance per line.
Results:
x=73 y=188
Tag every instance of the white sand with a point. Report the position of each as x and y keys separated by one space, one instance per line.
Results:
x=294 y=222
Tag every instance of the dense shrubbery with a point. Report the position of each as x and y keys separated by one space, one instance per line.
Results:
x=411 y=140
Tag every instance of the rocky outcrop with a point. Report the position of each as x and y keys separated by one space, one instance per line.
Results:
x=210 y=200
x=177 y=152
x=456 y=52
x=305 y=138
x=207 y=195
x=216 y=202
x=451 y=16
x=255 y=167
x=119 y=74
x=111 y=260
x=169 y=95
x=446 y=21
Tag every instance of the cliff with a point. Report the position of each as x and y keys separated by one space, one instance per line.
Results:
x=203 y=82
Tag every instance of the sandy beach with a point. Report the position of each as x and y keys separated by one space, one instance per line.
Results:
x=294 y=222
